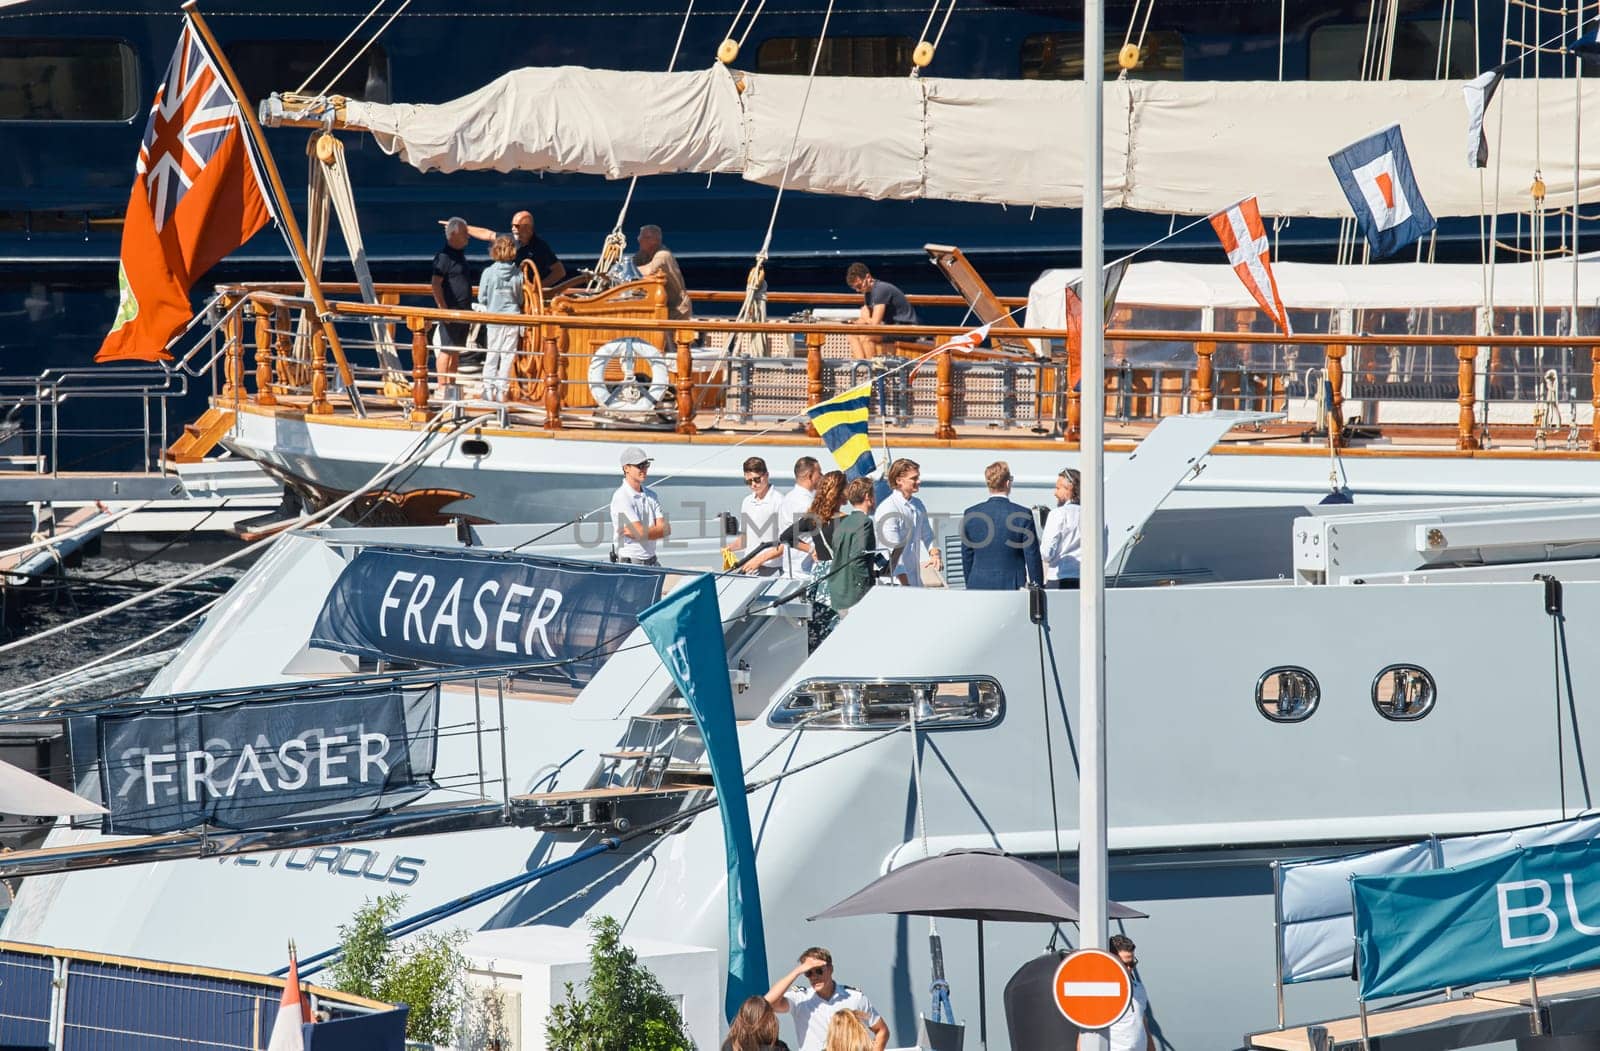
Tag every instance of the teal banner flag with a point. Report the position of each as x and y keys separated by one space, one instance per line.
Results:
x=686 y=630
x=1527 y=912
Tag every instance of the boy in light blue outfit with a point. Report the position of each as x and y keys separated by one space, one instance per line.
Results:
x=500 y=292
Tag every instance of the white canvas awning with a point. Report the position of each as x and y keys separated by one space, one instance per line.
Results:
x=1327 y=286
x=24 y=795
x=1170 y=147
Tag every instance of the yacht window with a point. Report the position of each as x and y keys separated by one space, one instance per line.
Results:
x=874 y=704
x=1287 y=694
x=60 y=78
x=1403 y=693
x=1334 y=52
x=848 y=56
x=1059 y=56
x=265 y=66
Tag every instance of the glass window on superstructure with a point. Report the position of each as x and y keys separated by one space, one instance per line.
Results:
x=848 y=56
x=1059 y=56
x=60 y=78
x=1334 y=52
x=265 y=66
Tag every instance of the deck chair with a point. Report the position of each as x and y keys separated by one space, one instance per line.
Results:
x=986 y=306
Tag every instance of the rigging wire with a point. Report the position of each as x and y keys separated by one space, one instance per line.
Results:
x=338 y=48
x=364 y=47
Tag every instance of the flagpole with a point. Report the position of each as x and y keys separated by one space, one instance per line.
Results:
x=1092 y=813
x=290 y=224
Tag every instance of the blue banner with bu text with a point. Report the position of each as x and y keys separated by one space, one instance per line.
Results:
x=686 y=629
x=461 y=609
x=1528 y=912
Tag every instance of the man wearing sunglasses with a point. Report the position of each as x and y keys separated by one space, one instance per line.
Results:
x=1131 y=1032
x=760 y=516
x=636 y=512
x=814 y=1008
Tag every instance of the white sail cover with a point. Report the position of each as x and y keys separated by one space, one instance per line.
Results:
x=1170 y=147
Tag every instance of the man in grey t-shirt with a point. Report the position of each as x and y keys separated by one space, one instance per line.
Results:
x=883 y=304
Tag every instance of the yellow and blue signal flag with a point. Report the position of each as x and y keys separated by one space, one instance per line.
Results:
x=841 y=423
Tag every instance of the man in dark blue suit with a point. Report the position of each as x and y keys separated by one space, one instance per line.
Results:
x=999 y=539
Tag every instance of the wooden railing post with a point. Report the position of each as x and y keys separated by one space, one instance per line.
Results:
x=552 y=383
x=814 y=341
x=419 y=369
x=233 y=357
x=1336 y=354
x=264 y=394
x=1205 y=395
x=685 y=385
x=319 y=373
x=945 y=430
x=285 y=345
x=1467 y=382
x=1594 y=380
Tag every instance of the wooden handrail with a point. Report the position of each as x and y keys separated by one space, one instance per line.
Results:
x=842 y=299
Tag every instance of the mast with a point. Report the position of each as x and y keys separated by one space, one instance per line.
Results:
x=1094 y=896
x=291 y=225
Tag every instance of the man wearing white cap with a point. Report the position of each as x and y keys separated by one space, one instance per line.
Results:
x=636 y=512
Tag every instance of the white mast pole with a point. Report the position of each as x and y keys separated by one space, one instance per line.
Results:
x=1092 y=617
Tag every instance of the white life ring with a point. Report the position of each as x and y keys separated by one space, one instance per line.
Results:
x=629 y=395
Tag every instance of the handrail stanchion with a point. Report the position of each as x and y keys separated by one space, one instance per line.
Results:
x=419 y=369
x=946 y=393
x=285 y=345
x=552 y=383
x=319 y=374
x=1205 y=394
x=685 y=387
x=233 y=360
x=1467 y=382
x=1594 y=381
x=264 y=394
x=814 y=342
x=1336 y=352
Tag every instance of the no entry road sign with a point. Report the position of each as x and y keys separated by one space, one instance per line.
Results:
x=1091 y=988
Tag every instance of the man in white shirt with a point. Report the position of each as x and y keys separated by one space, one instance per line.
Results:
x=1061 y=540
x=797 y=560
x=903 y=526
x=814 y=1008
x=1131 y=1032
x=636 y=512
x=761 y=516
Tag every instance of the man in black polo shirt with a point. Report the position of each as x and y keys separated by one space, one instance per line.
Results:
x=452 y=290
x=529 y=246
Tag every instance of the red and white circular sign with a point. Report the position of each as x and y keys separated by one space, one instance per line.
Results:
x=1091 y=988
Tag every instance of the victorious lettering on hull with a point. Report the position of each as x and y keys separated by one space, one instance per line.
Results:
x=466 y=610
x=263 y=760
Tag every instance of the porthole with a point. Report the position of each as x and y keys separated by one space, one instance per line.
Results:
x=1404 y=693
x=475 y=447
x=1287 y=694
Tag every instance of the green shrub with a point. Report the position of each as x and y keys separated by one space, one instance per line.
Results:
x=625 y=1008
x=425 y=971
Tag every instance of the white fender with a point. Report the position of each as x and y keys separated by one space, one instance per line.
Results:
x=629 y=395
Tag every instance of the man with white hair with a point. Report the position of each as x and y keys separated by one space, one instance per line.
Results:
x=654 y=257
x=452 y=290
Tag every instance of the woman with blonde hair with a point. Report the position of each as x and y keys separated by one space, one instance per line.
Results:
x=754 y=1028
x=847 y=1032
x=500 y=292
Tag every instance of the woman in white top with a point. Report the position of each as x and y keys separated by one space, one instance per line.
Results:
x=1062 y=542
x=902 y=525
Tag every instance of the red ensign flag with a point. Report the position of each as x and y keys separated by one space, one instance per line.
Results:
x=196 y=197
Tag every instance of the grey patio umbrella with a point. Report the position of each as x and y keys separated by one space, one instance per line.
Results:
x=983 y=885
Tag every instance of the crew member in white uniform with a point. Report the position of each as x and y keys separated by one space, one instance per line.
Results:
x=797 y=560
x=636 y=512
x=813 y=1008
x=760 y=515
x=1131 y=1032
